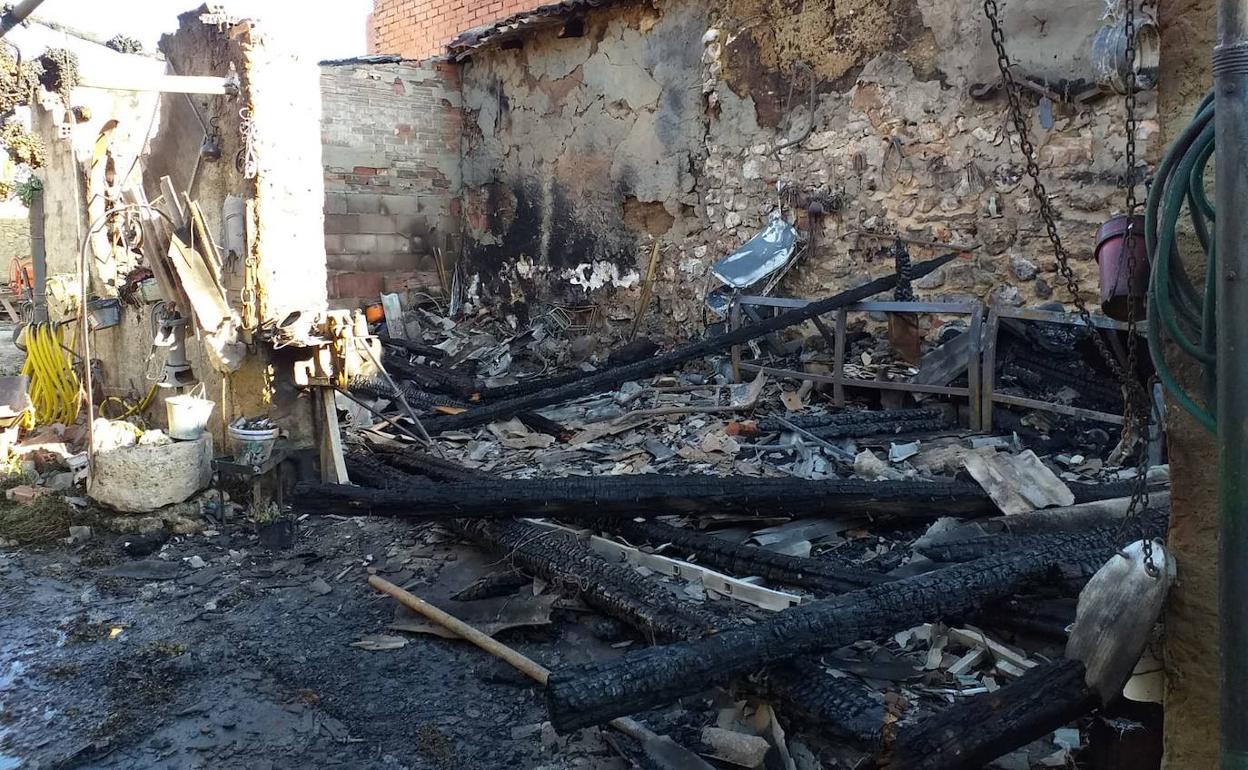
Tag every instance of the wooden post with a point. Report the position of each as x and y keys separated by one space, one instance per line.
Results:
x=333 y=464
x=989 y=375
x=838 y=371
x=974 y=363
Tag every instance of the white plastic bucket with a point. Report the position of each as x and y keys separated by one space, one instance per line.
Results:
x=189 y=413
x=252 y=447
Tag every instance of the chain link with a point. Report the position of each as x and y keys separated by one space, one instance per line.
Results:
x=1136 y=396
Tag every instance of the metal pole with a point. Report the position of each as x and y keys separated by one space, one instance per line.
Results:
x=1230 y=79
x=18 y=15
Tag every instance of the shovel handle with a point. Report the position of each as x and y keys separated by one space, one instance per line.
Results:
x=527 y=666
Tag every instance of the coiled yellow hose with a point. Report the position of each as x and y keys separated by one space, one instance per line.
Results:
x=54 y=386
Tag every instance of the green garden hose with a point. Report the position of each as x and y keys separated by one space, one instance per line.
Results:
x=1176 y=309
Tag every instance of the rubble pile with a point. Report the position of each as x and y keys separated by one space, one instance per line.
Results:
x=877 y=576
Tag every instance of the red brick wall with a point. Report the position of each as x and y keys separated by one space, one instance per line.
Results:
x=418 y=29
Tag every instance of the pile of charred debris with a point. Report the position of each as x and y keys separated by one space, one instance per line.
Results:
x=778 y=511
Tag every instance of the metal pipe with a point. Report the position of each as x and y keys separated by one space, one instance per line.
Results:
x=1230 y=79
x=18 y=15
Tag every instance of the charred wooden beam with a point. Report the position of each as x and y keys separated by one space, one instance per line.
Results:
x=534 y=421
x=841 y=707
x=377 y=387
x=610 y=379
x=415 y=348
x=981 y=728
x=979 y=546
x=619 y=590
x=595 y=693
x=879 y=420
x=408 y=463
x=434 y=378
x=582 y=498
x=504 y=393
x=821 y=576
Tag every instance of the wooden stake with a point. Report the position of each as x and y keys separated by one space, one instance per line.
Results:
x=657 y=746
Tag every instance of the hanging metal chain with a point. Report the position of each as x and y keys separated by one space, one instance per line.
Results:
x=1135 y=392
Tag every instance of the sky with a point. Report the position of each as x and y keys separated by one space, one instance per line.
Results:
x=320 y=29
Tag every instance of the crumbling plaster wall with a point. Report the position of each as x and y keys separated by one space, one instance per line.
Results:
x=587 y=148
x=391 y=150
x=1192 y=736
x=157 y=136
x=580 y=150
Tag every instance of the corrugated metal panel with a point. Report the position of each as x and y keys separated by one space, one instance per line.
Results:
x=521 y=24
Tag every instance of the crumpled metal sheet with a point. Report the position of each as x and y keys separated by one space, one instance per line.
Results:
x=760 y=256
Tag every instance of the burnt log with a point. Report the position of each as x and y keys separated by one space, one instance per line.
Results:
x=619 y=590
x=412 y=462
x=591 y=694
x=820 y=576
x=612 y=378
x=842 y=706
x=977 y=547
x=582 y=498
x=434 y=378
x=415 y=348
x=857 y=417
x=534 y=421
x=378 y=387
x=981 y=728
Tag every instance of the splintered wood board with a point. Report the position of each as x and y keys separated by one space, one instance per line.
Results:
x=734 y=588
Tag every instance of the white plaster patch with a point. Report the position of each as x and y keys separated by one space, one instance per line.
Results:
x=595 y=275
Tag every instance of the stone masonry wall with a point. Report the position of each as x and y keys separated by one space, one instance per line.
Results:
x=14 y=240
x=580 y=151
x=419 y=29
x=391 y=136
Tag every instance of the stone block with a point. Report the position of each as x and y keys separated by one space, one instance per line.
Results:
x=341 y=224
x=379 y=262
x=363 y=203
x=357 y=243
x=335 y=203
x=380 y=224
x=400 y=205
x=355 y=284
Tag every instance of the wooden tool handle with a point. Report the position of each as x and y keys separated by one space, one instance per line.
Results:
x=414 y=603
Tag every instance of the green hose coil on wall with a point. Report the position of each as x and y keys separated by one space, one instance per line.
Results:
x=1176 y=309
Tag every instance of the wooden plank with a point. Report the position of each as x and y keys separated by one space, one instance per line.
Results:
x=207 y=302
x=734 y=323
x=726 y=585
x=209 y=249
x=988 y=379
x=333 y=464
x=1071 y=411
x=975 y=639
x=1070 y=319
x=887 y=306
x=173 y=203
x=848 y=382
x=838 y=370
x=165 y=84
x=973 y=371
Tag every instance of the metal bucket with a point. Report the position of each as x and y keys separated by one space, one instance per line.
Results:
x=189 y=413
x=253 y=447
